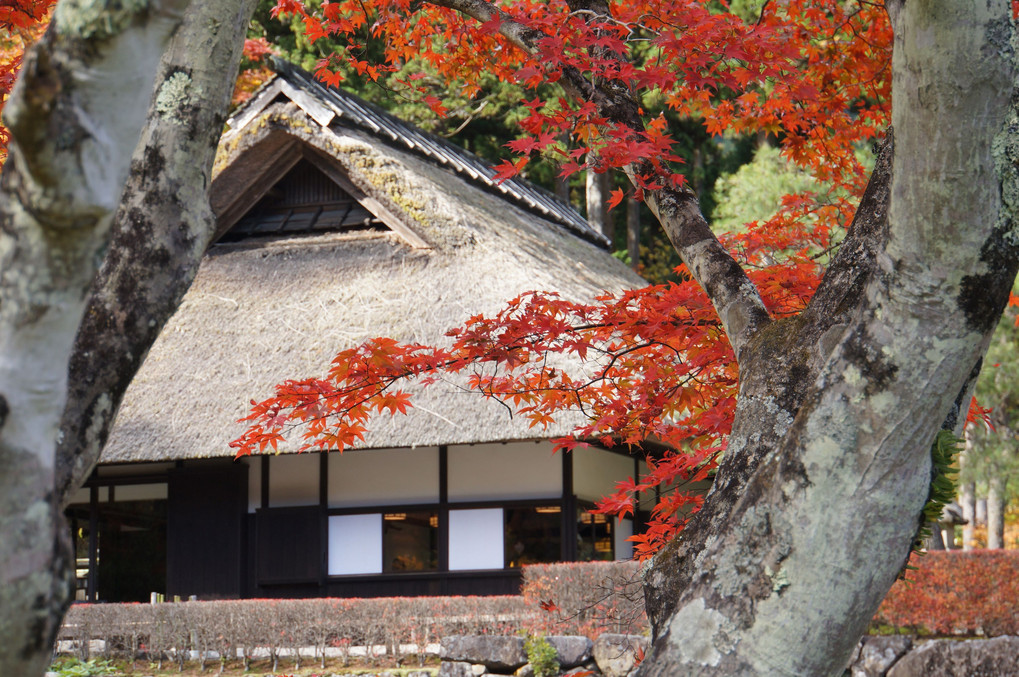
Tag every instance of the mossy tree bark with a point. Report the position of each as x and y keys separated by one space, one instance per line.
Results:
x=160 y=231
x=839 y=406
x=102 y=72
x=69 y=153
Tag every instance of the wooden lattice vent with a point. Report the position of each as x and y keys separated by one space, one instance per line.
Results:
x=304 y=201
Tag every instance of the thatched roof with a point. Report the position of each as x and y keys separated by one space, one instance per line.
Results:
x=263 y=310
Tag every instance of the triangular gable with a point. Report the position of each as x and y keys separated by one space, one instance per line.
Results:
x=285 y=187
x=329 y=106
x=304 y=201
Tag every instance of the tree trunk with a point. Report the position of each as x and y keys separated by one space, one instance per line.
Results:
x=562 y=183
x=562 y=188
x=158 y=236
x=838 y=407
x=597 y=199
x=633 y=231
x=160 y=232
x=948 y=534
x=967 y=496
x=968 y=503
x=74 y=118
x=995 y=513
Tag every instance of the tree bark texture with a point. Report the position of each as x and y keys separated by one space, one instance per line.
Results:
x=837 y=408
x=74 y=118
x=633 y=231
x=995 y=513
x=160 y=231
x=765 y=581
x=150 y=254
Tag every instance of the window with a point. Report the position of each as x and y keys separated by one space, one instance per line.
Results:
x=475 y=539
x=129 y=562
x=410 y=541
x=303 y=201
x=391 y=542
x=532 y=535
x=78 y=518
x=355 y=544
x=594 y=536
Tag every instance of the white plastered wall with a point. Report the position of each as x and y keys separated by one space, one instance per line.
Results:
x=383 y=477
x=293 y=480
x=596 y=471
x=515 y=470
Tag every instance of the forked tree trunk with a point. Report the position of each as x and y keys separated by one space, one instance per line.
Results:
x=75 y=119
x=838 y=407
x=69 y=155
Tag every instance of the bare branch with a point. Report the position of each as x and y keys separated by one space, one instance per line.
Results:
x=521 y=36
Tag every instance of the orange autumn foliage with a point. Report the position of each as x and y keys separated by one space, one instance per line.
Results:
x=956 y=593
x=21 y=24
x=812 y=73
x=254 y=69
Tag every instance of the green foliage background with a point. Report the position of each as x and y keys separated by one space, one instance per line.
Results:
x=754 y=191
x=994 y=451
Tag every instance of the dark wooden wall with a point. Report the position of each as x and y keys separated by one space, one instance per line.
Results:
x=434 y=583
x=205 y=530
x=288 y=545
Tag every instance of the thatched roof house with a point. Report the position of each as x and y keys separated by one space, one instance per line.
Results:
x=337 y=222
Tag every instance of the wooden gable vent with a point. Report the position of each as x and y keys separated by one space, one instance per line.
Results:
x=304 y=201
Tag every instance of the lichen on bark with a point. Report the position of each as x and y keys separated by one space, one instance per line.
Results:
x=97 y=20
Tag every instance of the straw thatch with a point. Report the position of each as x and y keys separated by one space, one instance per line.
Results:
x=265 y=310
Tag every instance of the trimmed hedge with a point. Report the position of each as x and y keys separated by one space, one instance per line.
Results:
x=950 y=593
x=955 y=593
x=395 y=625
x=587 y=598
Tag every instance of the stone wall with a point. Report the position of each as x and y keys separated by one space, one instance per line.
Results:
x=616 y=655
x=481 y=656
x=907 y=656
